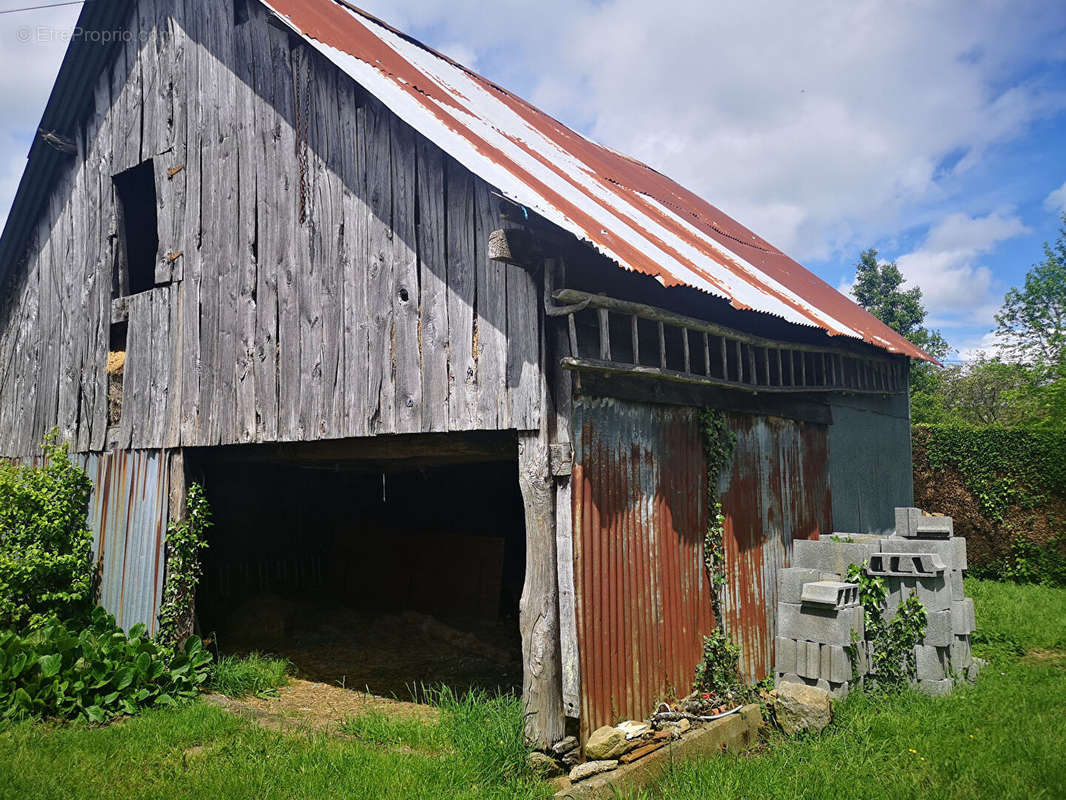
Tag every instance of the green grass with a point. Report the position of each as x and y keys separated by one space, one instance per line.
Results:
x=1002 y=738
x=999 y=739
x=254 y=674
x=199 y=751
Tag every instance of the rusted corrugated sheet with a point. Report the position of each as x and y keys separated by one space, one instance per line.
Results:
x=643 y=599
x=631 y=213
x=776 y=491
x=128 y=515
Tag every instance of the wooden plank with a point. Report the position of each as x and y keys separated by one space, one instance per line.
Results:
x=407 y=352
x=433 y=272
x=353 y=259
x=102 y=288
x=381 y=392
x=462 y=283
x=270 y=220
x=491 y=315
x=152 y=71
x=328 y=230
x=221 y=243
x=192 y=262
x=558 y=347
x=248 y=153
x=280 y=241
x=603 y=321
x=308 y=259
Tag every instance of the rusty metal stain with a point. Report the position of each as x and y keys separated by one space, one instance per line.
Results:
x=631 y=213
x=776 y=491
x=642 y=592
x=128 y=514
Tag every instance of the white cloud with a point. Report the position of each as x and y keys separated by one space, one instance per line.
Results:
x=958 y=291
x=1056 y=200
x=32 y=44
x=824 y=126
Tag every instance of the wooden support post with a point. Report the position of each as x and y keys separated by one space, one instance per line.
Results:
x=635 y=333
x=176 y=490
x=684 y=347
x=662 y=347
x=562 y=437
x=725 y=361
x=538 y=619
x=605 y=334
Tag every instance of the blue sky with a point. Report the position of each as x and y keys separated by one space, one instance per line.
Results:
x=935 y=132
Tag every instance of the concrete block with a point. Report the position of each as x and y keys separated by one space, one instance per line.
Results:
x=928 y=663
x=961 y=655
x=918 y=565
x=811 y=667
x=938 y=629
x=839 y=663
x=951 y=551
x=785 y=654
x=829 y=556
x=933 y=593
x=836 y=690
x=955 y=583
x=825 y=664
x=814 y=624
x=830 y=594
x=963 y=621
x=936 y=688
x=904 y=516
x=914 y=523
x=790 y=581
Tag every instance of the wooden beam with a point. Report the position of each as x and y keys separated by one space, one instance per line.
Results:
x=513 y=246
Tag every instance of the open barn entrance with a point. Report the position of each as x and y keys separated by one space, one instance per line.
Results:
x=384 y=564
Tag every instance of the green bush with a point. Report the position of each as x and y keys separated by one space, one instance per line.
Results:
x=254 y=674
x=96 y=673
x=1028 y=562
x=1002 y=467
x=46 y=568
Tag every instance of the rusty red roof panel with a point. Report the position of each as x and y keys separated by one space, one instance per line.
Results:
x=634 y=215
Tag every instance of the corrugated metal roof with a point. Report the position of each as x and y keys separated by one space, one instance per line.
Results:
x=634 y=215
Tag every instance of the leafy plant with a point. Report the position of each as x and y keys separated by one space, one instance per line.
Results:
x=96 y=673
x=46 y=568
x=719 y=670
x=718 y=445
x=892 y=663
x=1029 y=562
x=185 y=539
x=254 y=674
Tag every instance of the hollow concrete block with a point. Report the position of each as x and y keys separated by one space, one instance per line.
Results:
x=829 y=556
x=785 y=654
x=938 y=629
x=814 y=624
x=929 y=666
x=963 y=620
x=790 y=581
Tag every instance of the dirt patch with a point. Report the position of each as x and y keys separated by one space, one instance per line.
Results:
x=1052 y=658
x=392 y=655
x=306 y=704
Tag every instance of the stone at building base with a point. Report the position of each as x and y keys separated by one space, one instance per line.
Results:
x=544 y=766
x=799 y=707
x=732 y=734
x=936 y=688
x=606 y=744
x=590 y=768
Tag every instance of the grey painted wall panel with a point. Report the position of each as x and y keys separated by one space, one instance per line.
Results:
x=870 y=469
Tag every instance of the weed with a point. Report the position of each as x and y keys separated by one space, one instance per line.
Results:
x=254 y=674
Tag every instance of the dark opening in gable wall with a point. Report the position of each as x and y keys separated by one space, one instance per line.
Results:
x=138 y=231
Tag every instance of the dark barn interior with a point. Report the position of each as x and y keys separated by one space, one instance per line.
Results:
x=377 y=571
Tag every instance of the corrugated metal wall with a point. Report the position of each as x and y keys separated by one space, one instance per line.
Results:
x=643 y=599
x=128 y=514
x=777 y=491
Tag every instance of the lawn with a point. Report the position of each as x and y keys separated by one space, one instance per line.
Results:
x=1002 y=738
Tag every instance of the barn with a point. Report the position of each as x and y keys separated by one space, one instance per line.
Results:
x=437 y=359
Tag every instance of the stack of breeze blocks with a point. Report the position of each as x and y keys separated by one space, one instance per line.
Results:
x=819 y=616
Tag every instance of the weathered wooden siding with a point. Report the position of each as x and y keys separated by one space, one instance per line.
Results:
x=327 y=266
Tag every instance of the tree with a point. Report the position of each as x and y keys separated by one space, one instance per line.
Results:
x=878 y=290
x=1032 y=321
